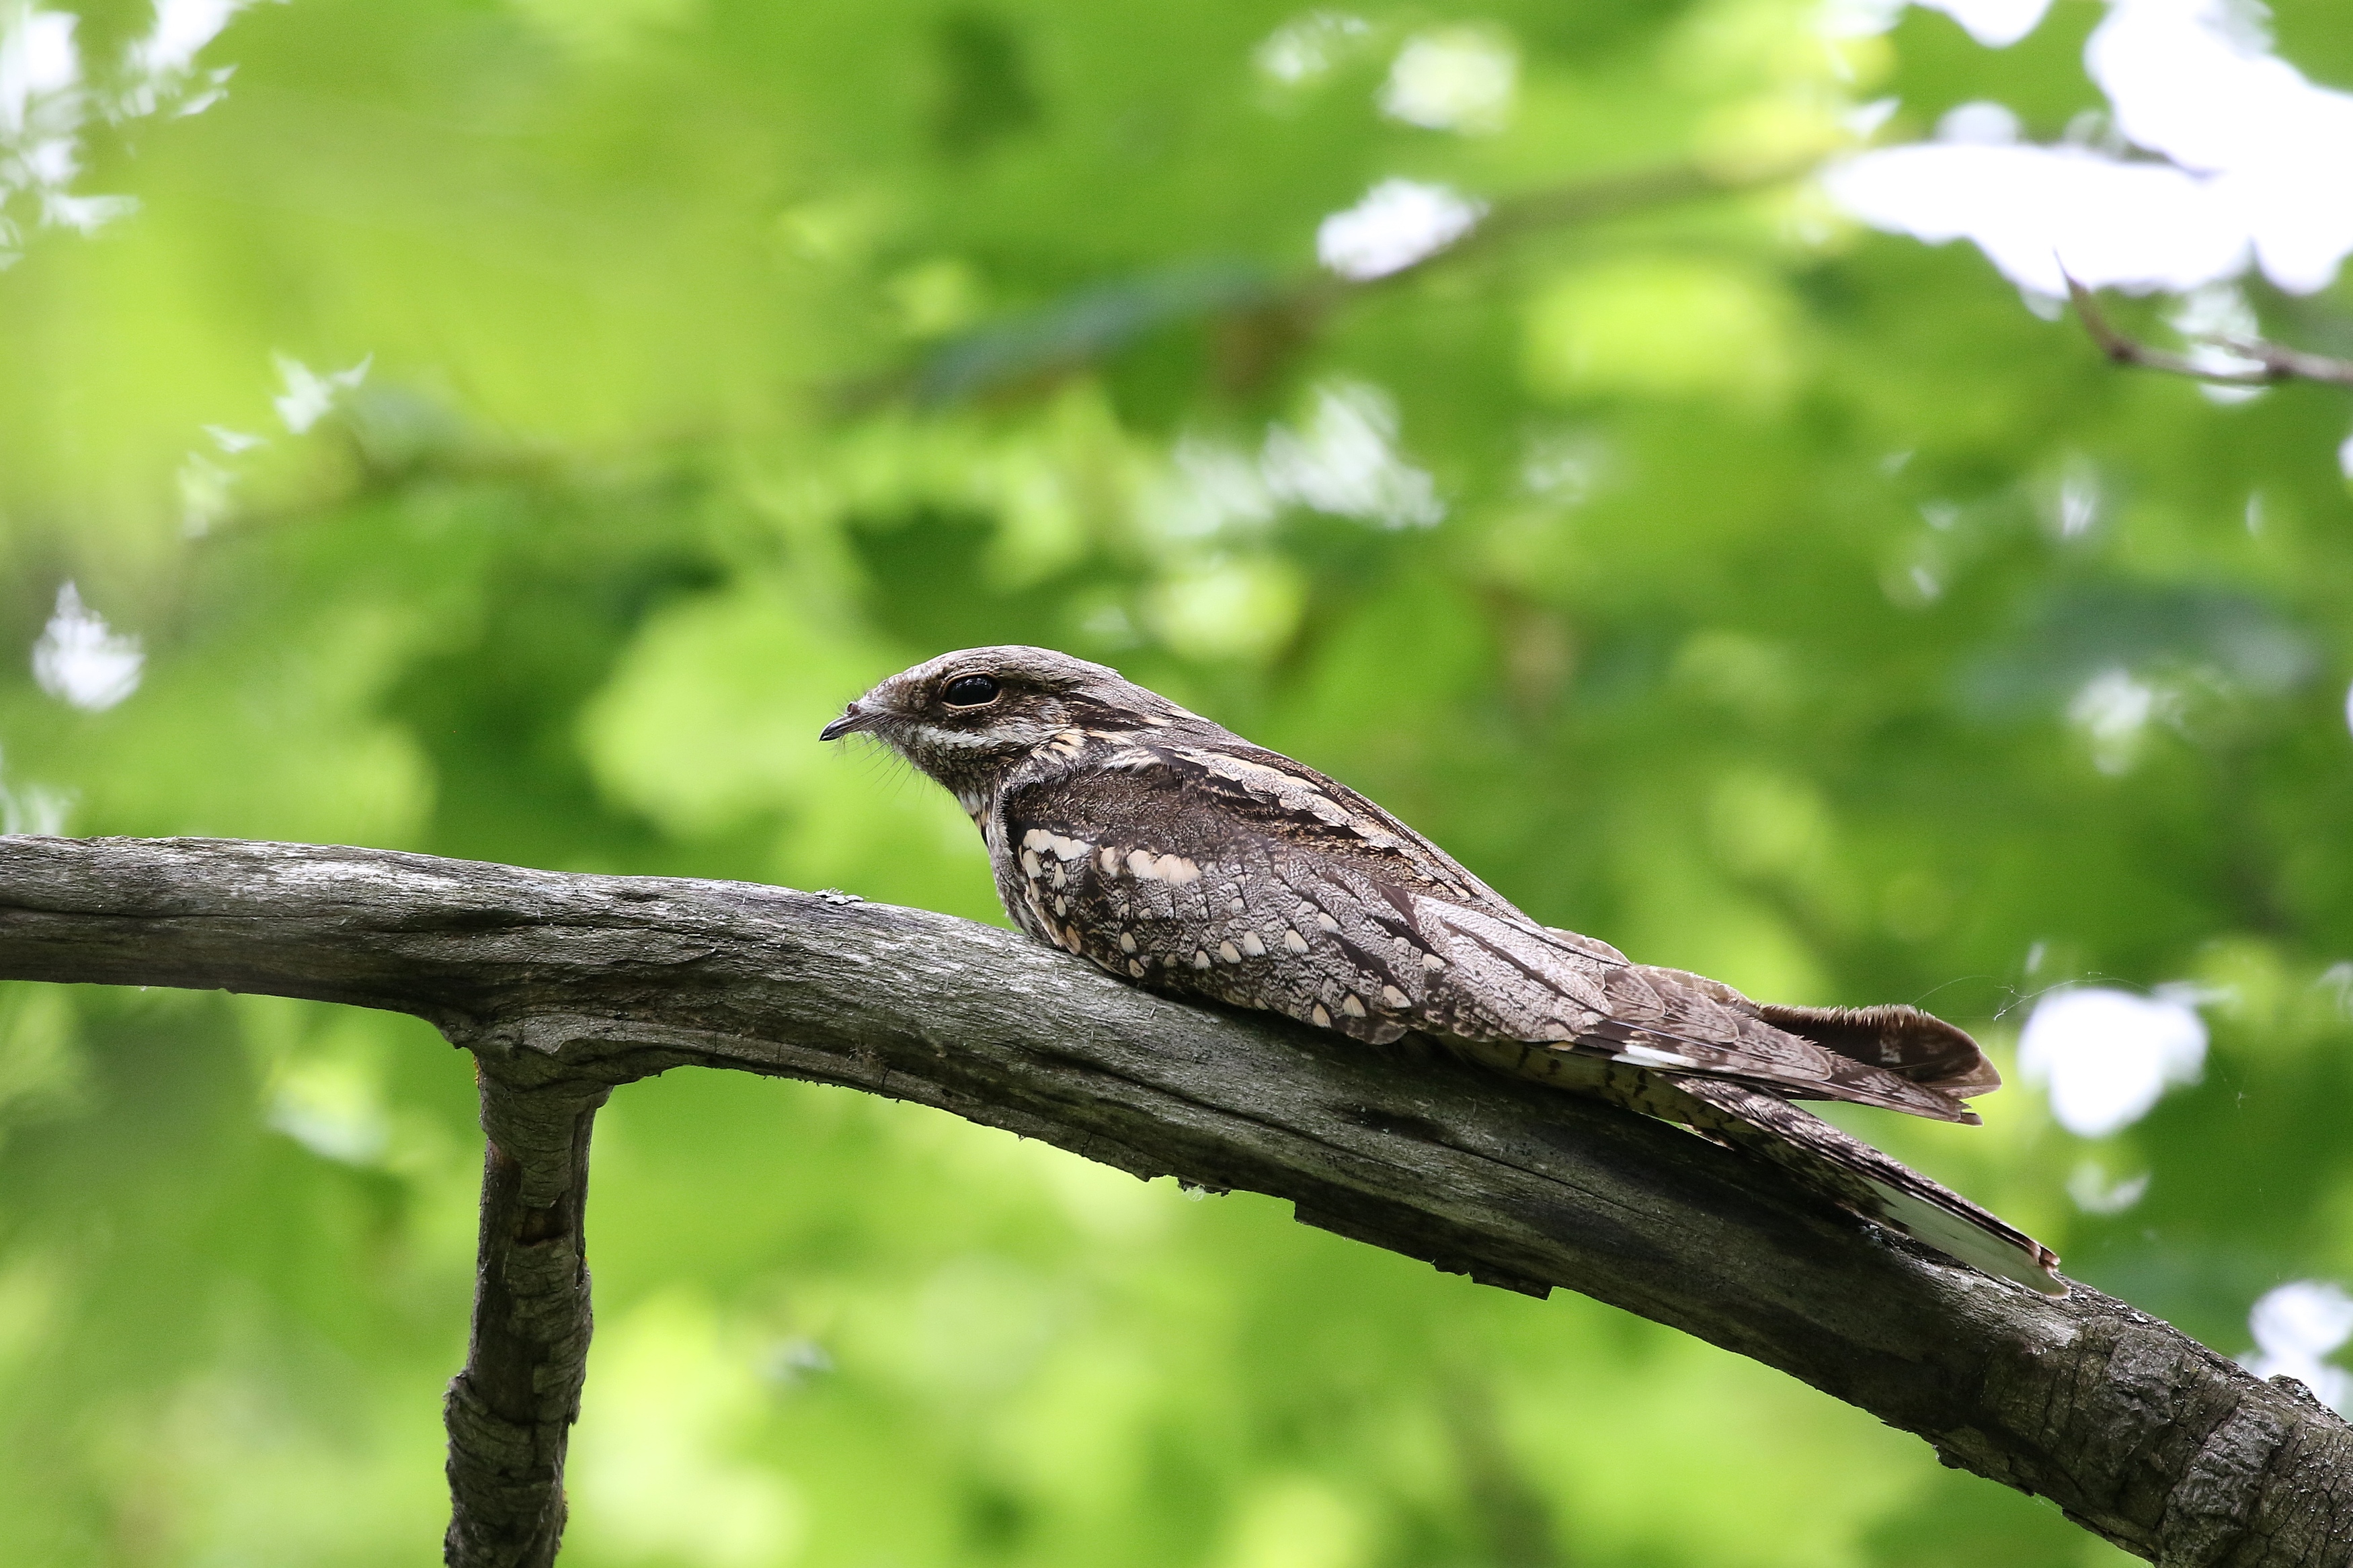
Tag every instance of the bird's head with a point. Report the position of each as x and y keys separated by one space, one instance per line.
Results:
x=968 y=718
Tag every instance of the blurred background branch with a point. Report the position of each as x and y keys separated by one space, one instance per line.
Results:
x=2246 y=362
x=1265 y=320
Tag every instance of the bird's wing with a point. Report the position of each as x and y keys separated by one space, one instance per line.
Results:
x=1762 y=1122
x=1865 y=1180
x=1242 y=876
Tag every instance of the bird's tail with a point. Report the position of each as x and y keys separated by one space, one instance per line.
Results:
x=1901 y=1040
x=1858 y=1176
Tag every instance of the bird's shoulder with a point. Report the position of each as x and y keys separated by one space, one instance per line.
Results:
x=1197 y=792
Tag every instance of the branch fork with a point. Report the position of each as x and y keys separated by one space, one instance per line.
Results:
x=564 y=986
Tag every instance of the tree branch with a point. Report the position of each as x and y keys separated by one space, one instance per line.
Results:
x=510 y=1412
x=1282 y=314
x=564 y=985
x=2272 y=364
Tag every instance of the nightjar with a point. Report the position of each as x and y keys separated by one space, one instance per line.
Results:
x=1175 y=855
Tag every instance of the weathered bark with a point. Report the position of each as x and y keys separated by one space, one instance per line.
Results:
x=564 y=985
x=510 y=1411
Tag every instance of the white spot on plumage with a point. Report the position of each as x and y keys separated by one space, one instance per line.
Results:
x=1252 y=945
x=1029 y=862
x=1325 y=922
x=1175 y=869
x=1293 y=941
x=1048 y=841
x=1230 y=953
x=1323 y=1020
x=1644 y=1056
x=1136 y=967
x=1201 y=959
x=1126 y=943
x=1394 y=997
x=1351 y=1006
x=1242 y=771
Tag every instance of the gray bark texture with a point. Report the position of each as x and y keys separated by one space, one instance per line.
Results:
x=563 y=987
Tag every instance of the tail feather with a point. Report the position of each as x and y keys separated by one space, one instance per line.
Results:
x=1865 y=1180
x=1902 y=1040
x=1675 y=1019
x=1871 y=1047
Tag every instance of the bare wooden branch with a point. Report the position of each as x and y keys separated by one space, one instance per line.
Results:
x=2271 y=363
x=564 y=985
x=510 y=1412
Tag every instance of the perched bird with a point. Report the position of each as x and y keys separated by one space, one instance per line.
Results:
x=1175 y=855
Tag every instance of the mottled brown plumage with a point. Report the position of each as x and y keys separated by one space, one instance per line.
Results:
x=1175 y=855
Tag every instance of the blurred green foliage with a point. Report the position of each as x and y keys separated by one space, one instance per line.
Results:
x=1804 y=610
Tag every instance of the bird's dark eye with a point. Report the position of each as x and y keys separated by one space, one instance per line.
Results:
x=970 y=692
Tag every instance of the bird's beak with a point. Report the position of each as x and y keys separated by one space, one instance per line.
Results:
x=854 y=719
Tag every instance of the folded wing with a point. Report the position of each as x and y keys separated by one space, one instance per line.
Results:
x=1243 y=877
